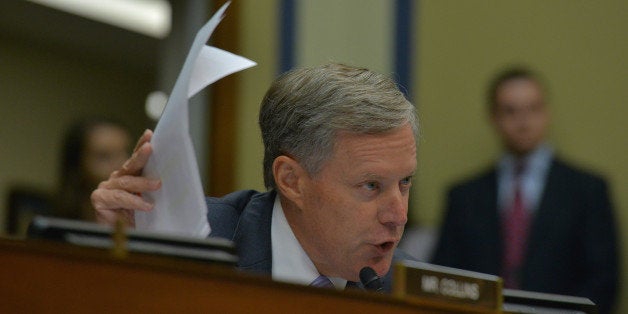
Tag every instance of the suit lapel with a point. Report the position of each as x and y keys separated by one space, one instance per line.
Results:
x=543 y=216
x=492 y=225
x=253 y=235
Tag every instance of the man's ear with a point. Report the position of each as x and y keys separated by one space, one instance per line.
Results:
x=289 y=178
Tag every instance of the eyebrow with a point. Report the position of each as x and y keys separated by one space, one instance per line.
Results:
x=373 y=176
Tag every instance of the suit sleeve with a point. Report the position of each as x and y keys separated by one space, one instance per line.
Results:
x=600 y=244
x=224 y=213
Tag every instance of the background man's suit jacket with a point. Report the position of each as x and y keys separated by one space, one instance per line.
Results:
x=245 y=218
x=572 y=246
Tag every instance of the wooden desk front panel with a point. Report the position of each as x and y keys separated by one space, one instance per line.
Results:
x=54 y=278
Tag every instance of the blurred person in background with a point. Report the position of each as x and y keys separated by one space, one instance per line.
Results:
x=93 y=148
x=533 y=219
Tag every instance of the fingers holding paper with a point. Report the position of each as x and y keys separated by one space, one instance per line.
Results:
x=141 y=153
x=120 y=195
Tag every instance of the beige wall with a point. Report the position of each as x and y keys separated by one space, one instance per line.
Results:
x=259 y=38
x=366 y=26
x=43 y=90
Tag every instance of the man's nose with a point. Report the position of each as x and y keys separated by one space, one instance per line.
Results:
x=393 y=211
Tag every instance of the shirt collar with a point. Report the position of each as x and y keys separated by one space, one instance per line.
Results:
x=531 y=180
x=290 y=262
x=538 y=159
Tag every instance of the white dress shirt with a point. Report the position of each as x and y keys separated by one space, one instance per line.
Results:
x=533 y=178
x=290 y=262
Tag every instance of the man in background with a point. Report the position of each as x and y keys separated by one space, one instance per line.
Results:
x=339 y=156
x=533 y=219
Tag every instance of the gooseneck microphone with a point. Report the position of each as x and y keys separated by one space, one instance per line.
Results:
x=370 y=280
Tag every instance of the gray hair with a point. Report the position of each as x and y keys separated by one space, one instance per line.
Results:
x=304 y=109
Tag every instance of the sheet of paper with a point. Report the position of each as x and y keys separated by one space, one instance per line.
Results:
x=180 y=203
x=213 y=64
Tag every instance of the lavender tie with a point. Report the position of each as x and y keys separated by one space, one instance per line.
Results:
x=322 y=282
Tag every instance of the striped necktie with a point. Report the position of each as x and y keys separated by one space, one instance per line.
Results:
x=322 y=282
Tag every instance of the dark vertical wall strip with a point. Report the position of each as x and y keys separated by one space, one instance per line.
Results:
x=287 y=31
x=404 y=45
x=403 y=61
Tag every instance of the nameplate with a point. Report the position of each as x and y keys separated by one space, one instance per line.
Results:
x=433 y=283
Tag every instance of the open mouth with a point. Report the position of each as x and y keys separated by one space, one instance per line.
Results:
x=386 y=246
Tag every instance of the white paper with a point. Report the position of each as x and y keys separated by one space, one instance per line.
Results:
x=180 y=203
x=220 y=63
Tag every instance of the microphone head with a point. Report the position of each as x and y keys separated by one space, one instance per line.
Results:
x=370 y=280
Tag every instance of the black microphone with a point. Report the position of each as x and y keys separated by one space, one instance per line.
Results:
x=370 y=280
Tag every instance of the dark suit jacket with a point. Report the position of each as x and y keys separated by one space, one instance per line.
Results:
x=572 y=247
x=245 y=217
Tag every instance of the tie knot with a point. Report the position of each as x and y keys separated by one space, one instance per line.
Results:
x=322 y=282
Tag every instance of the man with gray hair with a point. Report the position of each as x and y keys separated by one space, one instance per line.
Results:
x=340 y=153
